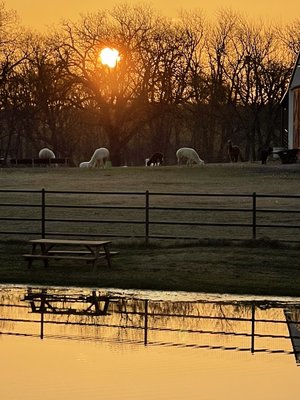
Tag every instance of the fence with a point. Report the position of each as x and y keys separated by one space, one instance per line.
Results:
x=35 y=162
x=149 y=215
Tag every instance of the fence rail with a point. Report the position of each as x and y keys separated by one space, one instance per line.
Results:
x=36 y=162
x=149 y=215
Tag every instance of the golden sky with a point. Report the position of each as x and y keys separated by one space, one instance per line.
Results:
x=39 y=14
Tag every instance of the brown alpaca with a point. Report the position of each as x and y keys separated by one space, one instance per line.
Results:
x=234 y=152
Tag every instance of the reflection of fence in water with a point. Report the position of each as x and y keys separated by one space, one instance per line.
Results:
x=252 y=326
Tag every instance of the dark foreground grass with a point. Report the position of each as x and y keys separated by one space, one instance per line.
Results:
x=257 y=268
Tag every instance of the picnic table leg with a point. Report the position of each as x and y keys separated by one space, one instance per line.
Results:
x=44 y=251
x=29 y=264
x=94 y=253
x=107 y=255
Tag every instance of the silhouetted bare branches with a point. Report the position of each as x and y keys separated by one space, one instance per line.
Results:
x=183 y=82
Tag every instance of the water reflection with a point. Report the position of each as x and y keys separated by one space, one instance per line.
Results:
x=270 y=327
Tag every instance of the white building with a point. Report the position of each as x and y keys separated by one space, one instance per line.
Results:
x=291 y=110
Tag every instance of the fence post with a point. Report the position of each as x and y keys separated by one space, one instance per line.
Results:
x=146 y=324
x=43 y=212
x=147 y=217
x=254 y=215
x=253 y=328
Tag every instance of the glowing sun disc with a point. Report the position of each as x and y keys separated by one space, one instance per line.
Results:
x=109 y=57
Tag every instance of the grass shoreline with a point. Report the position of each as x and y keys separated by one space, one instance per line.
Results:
x=205 y=266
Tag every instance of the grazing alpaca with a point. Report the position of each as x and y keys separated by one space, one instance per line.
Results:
x=264 y=153
x=188 y=156
x=98 y=159
x=46 y=153
x=234 y=152
x=156 y=159
x=84 y=164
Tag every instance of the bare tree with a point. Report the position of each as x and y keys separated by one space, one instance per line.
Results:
x=182 y=82
x=258 y=83
x=289 y=35
x=168 y=58
x=220 y=46
x=13 y=52
x=117 y=94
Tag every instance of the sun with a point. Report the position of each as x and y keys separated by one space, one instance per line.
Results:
x=109 y=56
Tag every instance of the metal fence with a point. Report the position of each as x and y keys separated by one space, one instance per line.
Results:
x=149 y=215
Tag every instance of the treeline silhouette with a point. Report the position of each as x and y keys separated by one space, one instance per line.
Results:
x=185 y=82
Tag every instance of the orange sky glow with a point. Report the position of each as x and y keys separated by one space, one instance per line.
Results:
x=40 y=15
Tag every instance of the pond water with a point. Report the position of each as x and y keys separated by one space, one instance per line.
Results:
x=80 y=343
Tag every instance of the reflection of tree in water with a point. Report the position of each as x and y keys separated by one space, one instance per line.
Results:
x=172 y=321
x=10 y=307
x=126 y=320
x=182 y=317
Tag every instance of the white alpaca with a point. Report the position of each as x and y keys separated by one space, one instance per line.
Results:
x=84 y=164
x=98 y=159
x=46 y=153
x=188 y=156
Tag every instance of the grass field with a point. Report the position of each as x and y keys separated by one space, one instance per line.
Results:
x=225 y=178
x=260 y=267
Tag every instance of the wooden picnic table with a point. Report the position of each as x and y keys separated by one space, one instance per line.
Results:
x=85 y=250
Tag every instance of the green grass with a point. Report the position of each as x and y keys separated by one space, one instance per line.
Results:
x=247 y=268
x=264 y=266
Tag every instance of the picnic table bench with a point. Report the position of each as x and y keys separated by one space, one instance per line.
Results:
x=84 y=250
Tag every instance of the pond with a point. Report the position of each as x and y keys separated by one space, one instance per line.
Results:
x=80 y=343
